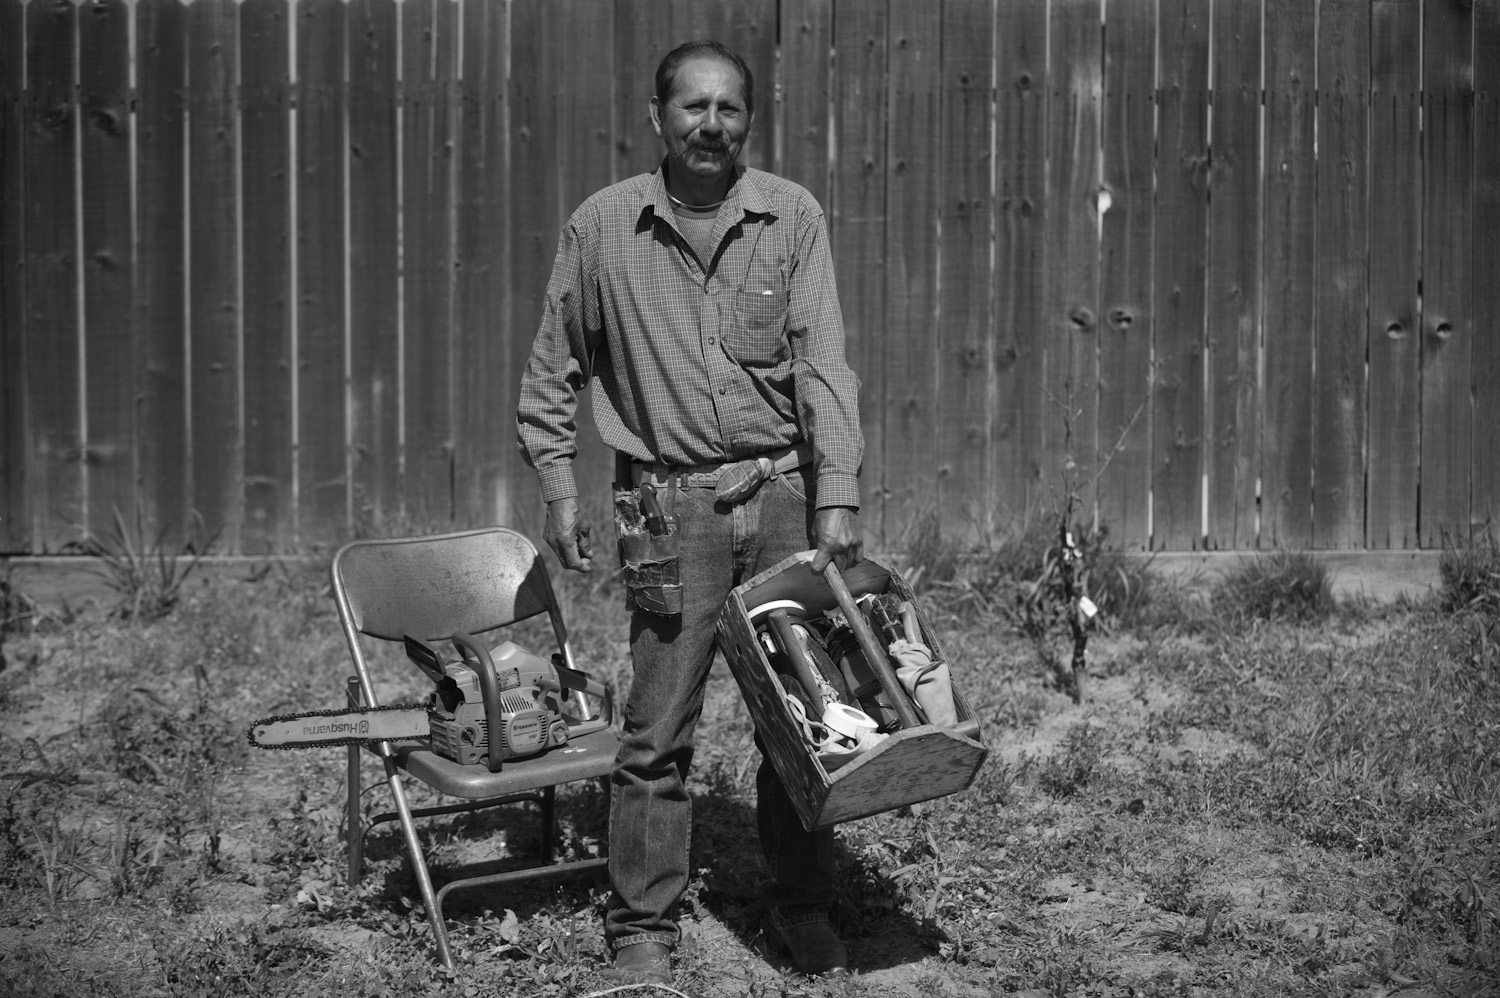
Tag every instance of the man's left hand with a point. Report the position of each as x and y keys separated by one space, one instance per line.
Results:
x=839 y=538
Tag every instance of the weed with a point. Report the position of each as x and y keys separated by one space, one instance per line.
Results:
x=58 y=851
x=1470 y=574
x=1040 y=582
x=245 y=959
x=19 y=613
x=145 y=575
x=1290 y=586
x=1067 y=774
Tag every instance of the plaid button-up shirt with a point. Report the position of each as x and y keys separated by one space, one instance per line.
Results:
x=696 y=367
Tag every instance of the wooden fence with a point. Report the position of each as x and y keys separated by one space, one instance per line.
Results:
x=276 y=266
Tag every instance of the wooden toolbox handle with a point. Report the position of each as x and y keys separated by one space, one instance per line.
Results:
x=874 y=654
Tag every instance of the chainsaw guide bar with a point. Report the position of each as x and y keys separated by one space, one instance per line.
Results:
x=355 y=726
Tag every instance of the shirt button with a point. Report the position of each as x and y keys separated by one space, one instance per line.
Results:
x=723 y=390
x=710 y=341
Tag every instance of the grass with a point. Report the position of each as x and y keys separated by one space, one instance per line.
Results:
x=1287 y=803
x=1289 y=586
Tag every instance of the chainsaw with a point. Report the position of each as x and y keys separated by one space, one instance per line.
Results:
x=505 y=691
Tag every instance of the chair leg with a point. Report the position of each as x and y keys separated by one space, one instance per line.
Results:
x=419 y=863
x=548 y=805
x=355 y=832
x=354 y=829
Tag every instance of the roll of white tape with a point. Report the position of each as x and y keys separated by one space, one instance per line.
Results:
x=850 y=722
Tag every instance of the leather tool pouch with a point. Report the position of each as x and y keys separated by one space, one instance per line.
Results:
x=647 y=540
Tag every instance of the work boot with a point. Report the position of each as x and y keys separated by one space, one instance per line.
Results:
x=814 y=947
x=644 y=963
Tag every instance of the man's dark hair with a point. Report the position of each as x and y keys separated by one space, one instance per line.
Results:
x=666 y=72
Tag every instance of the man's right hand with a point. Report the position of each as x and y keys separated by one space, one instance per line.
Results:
x=568 y=532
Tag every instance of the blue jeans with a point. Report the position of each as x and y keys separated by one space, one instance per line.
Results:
x=650 y=819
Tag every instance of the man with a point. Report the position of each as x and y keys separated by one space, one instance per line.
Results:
x=700 y=300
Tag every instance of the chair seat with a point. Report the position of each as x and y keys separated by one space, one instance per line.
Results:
x=586 y=757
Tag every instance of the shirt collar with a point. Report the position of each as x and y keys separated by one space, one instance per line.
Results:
x=746 y=195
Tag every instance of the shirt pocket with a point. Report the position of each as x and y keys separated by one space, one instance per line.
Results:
x=757 y=330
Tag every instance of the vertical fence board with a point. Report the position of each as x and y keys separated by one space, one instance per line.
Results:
x=1232 y=448
x=374 y=305
x=1181 y=234
x=107 y=263
x=583 y=139
x=216 y=448
x=1486 y=475
x=643 y=34
x=428 y=58
x=858 y=228
x=1022 y=412
x=1125 y=285
x=1342 y=234
x=1070 y=259
x=534 y=199
x=322 y=465
x=1395 y=271
x=160 y=372
x=55 y=465
x=1447 y=324
x=14 y=516
x=963 y=391
x=487 y=386
x=471 y=265
x=911 y=292
x=804 y=84
x=1290 y=211
x=265 y=180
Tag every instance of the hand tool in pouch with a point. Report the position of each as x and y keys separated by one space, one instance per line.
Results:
x=648 y=539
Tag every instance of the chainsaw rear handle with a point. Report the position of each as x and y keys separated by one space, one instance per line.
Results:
x=573 y=679
x=489 y=688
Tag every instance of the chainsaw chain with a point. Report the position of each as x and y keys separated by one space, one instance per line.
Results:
x=324 y=743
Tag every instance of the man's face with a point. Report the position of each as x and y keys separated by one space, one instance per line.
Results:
x=704 y=121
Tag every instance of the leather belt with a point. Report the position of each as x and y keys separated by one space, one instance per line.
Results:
x=709 y=476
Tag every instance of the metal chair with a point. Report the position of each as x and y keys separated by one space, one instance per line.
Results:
x=431 y=587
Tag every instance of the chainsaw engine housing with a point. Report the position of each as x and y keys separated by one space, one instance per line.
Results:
x=531 y=719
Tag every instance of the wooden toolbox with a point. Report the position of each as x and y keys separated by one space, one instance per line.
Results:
x=911 y=765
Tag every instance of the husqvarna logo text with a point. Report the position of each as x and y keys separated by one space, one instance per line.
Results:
x=356 y=728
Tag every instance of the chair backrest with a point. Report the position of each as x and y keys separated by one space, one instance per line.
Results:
x=472 y=581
